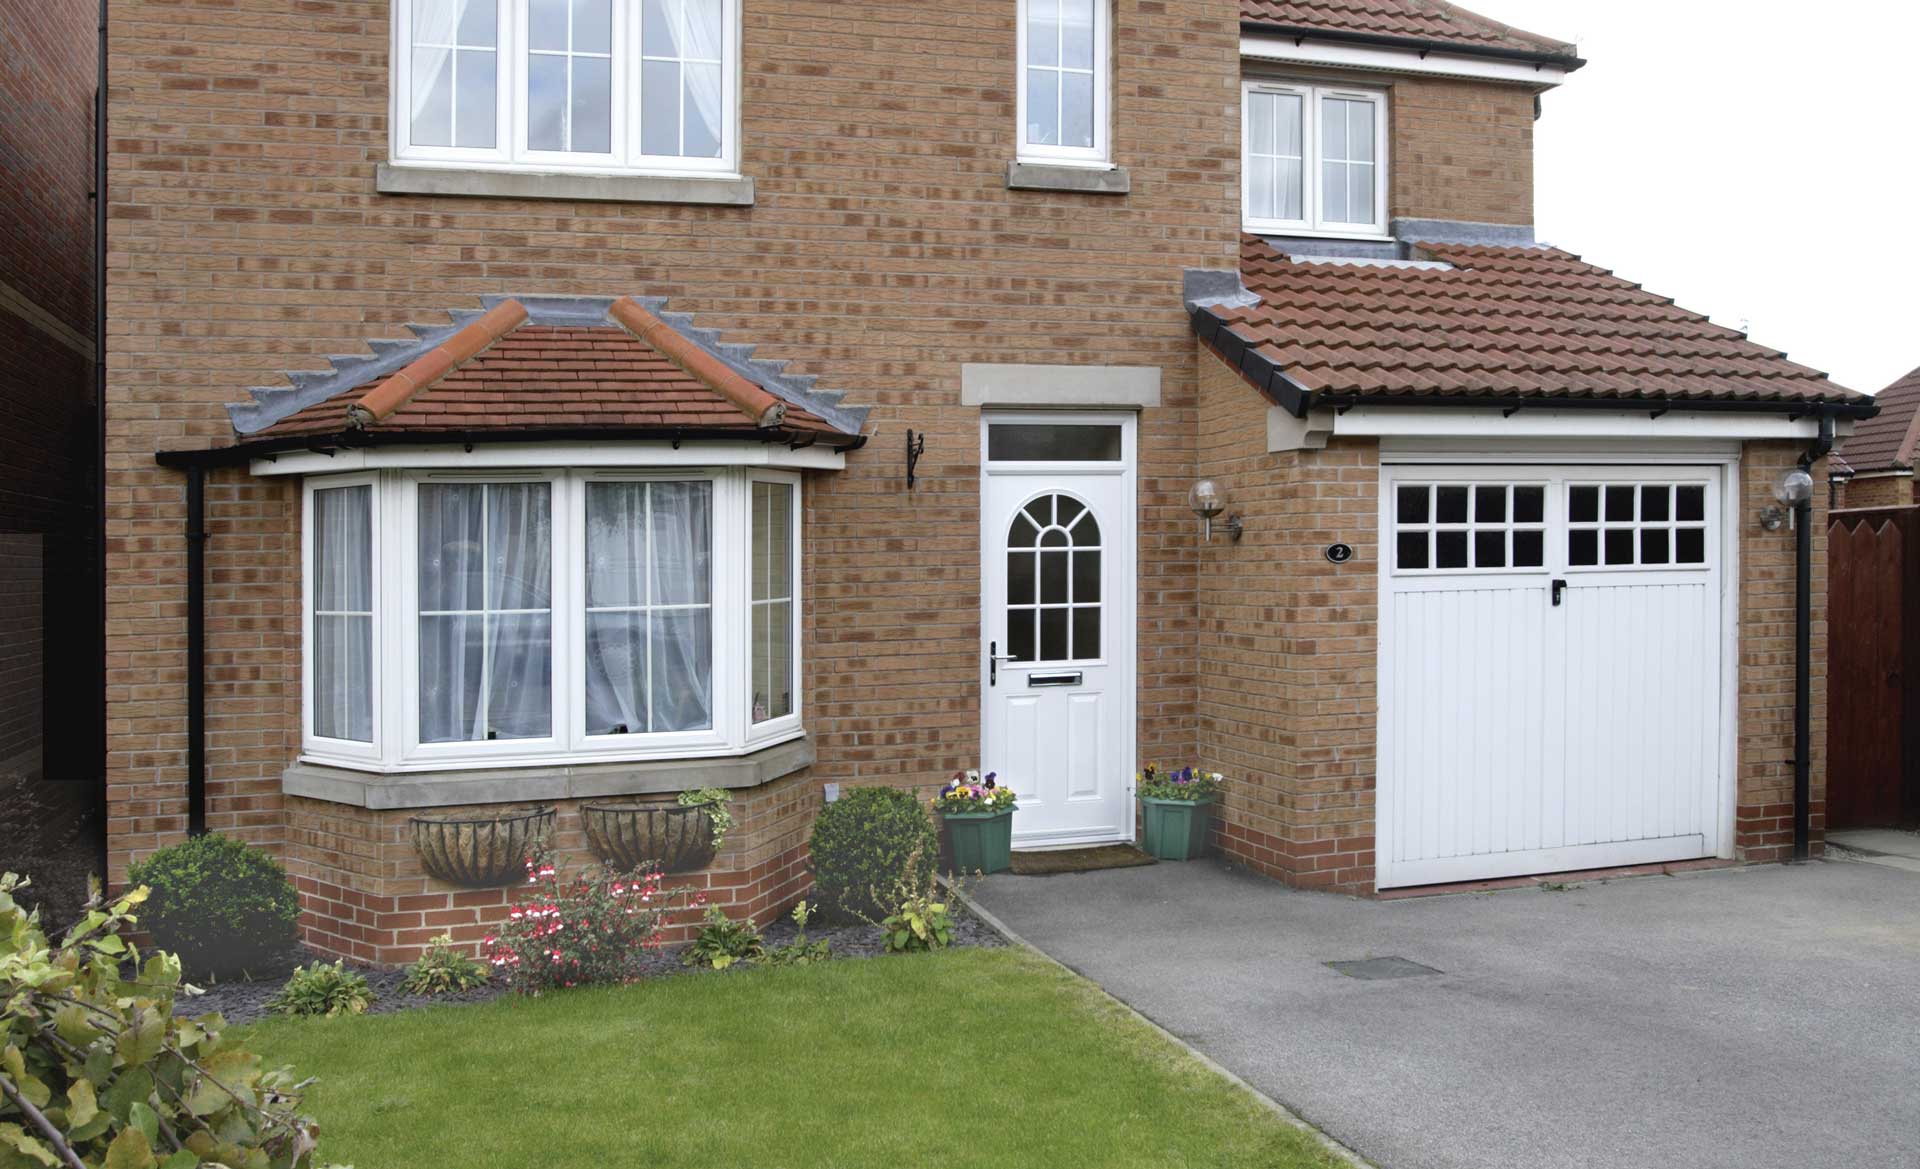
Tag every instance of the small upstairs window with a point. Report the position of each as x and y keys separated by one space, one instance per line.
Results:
x=1064 y=81
x=620 y=86
x=1313 y=159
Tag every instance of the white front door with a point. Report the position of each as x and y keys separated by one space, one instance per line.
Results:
x=1550 y=670
x=1057 y=521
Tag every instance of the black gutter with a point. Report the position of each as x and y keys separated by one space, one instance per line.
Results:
x=196 y=650
x=248 y=450
x=1421 y=45
x=1803 y=651
x=1290 y=395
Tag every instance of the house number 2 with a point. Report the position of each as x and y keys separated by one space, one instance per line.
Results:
x=1339 y=553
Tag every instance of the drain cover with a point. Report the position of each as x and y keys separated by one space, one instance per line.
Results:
x=1375 y=969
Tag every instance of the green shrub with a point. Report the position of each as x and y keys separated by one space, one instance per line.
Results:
x=321 y=989
x=862 y=842
x=223 y=906
x=722 y=941
x=90 y=1044
x=444 y=970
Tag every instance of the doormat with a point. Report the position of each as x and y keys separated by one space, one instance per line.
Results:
x=1078 y=860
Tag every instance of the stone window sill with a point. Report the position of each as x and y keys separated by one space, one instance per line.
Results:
x=1085 y=180
x=560 y=781
x=710 y=190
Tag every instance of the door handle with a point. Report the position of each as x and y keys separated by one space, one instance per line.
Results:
x=994 y=658
x=1559 y=586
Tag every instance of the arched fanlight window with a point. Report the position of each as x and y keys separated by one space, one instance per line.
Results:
x=1053 y=581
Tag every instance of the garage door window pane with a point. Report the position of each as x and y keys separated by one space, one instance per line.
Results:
x=1583 y=505
x=1529 y=505
x=1411 y=550
x=1645 y=525
x=1690 y=546
x=1529 y=549
x=1450 y=550
x=1413 y=504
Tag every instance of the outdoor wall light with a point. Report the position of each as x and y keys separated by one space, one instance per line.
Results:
x=1793 y=488
x=1208 y=499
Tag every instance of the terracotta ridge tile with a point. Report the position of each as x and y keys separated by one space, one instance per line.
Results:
x=396 y=391
x=756 y=403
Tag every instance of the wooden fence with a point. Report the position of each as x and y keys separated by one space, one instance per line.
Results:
x=1873 y=668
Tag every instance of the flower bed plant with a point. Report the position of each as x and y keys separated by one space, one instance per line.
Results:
x=598 y=925
x=1185 y=783
x=322 y=989
x=444 y=970
x=968 y=793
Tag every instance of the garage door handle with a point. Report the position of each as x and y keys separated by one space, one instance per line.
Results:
x=1559 y=586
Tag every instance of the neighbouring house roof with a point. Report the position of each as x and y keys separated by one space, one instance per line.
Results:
x=1887 y=441
x=1418 y=22
x=537 y=366
x=1485 y=325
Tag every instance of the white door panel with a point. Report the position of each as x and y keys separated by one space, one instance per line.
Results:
x=1057 y=596
x=1549 y=670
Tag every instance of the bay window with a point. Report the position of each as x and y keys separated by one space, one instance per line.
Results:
x=599 y=86
x=1313 y=159
x=493 y=619
x=1064 y=81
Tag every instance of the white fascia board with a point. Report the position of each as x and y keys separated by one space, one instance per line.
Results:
x=554 y=454
x=1374 y=58
x=1457 y=423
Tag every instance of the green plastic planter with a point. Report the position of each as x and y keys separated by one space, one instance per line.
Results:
x=1177 y=829
x=982 y=841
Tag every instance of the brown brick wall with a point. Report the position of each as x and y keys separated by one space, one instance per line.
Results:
x=1462 y=150
x=49 y=459
x=1286 y=645
x=1879 y=491
x=1763 y=828
x=883 y=252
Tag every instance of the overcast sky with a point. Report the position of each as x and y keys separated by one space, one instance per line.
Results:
x=1756 y=160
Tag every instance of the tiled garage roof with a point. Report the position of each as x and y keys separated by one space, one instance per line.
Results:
x=1462 y=323
x=1414 y=20
x=1887 y=441
x=550 y=364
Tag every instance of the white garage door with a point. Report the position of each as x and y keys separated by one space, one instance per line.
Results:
x=1550 y=670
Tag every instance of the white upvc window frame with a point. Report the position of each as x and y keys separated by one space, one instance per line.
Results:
x=396 y=745
x=1313 y=221
x=352 y=750
x=1100 y=154
x=511 y=152
x=788 y=725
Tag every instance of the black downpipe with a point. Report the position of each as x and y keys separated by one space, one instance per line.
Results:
x=196 y=650
x=1803 y=651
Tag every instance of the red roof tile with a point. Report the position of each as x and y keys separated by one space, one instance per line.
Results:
x=1501 y=322
x=546 y=377
x=1887 y=441
x=1422 y=20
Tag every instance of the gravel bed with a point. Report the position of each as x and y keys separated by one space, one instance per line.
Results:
x=245 y=1000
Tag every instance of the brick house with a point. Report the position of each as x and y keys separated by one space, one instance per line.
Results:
x=50 y=452
x=774 y=394
x=1876 y=462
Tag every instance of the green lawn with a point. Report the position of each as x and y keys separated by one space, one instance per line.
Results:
x=965 y=1058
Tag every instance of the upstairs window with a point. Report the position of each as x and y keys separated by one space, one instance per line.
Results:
x=624 y=86
x=1313 y=159
x=1064 y=80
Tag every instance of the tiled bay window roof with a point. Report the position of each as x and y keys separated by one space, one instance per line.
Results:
x=540 y=366
x=1890 y=440
x=1461 y=324
x=1430 y=21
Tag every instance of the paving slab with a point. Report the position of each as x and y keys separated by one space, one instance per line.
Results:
x=1743 y=1017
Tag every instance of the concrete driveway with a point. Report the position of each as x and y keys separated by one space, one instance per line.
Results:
x=1739 y=1018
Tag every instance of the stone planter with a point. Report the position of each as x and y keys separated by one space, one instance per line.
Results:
x=1176 y=830
x=982 y=841
x=480 y=851
x=627 y=836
